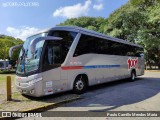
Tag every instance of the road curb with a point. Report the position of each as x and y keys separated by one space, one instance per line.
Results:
x=152 y=70
x=53 y=105
x=44 y=108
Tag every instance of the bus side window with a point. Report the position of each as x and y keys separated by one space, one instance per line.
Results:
x=86 y=45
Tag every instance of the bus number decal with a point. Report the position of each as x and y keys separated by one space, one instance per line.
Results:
x=132 y=63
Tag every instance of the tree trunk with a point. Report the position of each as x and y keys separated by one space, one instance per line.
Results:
x=149 y=64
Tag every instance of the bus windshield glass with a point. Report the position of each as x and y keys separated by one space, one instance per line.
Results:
x=27 y=62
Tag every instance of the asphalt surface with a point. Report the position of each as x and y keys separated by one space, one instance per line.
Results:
x=141 y=95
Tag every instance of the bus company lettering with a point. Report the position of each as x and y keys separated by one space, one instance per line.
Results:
x=132 y=63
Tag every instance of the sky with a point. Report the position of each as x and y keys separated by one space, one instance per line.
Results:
x=22 y=18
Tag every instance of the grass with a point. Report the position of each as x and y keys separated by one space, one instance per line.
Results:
x=153 y=70
x=3 y=77
x=3 y=82
x=8 y=71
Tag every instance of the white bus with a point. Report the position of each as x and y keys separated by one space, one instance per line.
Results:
x=72 y=58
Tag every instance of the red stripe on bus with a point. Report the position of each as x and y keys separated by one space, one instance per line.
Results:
x=71 y=67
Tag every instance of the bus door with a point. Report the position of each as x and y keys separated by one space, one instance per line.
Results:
x=51 y=67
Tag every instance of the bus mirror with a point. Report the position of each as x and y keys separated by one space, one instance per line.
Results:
x=12 y=48
x=35 y=41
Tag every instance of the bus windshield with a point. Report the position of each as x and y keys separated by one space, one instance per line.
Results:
x=55 y=51
x=27 y=62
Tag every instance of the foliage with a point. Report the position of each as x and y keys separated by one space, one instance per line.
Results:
x=139 y=23
x=144 y=4
x=4 y=48
x=6 y=42
x=91 y=23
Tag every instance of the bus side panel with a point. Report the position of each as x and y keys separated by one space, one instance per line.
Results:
x=100 y=68
x=140 y=67
x=52 y=82
x=103 y=68
x=109 y=68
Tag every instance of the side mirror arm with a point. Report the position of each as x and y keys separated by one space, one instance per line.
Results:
x=35 y=41
x=12 y=48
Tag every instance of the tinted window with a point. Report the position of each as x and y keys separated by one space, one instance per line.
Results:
x=102 y=46
x=139 y=51
x=110 y=47
x=89 y=44
x=56 y=50
x=85 y=45
x=130 y=50
x=114 y=48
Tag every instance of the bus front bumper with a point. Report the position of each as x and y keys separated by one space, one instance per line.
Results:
x=25 y=88
x=28 y=85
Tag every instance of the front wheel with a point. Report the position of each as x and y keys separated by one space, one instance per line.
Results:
x=79 y=85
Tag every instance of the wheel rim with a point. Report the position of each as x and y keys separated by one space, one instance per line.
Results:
x=133 y=76
x=79 y=85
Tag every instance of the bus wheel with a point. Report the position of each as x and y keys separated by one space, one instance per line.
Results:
x=133 y=76
x=79 y=85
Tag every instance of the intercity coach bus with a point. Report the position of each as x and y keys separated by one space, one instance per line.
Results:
x=72 y=58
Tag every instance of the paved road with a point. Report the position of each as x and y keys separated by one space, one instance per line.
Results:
x=141 y=95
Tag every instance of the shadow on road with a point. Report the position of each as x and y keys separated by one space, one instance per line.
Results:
x=119 y=93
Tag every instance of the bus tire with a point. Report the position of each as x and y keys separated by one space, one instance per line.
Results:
x=79 y=85
x=133 y=76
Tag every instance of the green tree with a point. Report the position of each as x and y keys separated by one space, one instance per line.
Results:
x=149 y=35
x=4 y=48
x=144 y=4
x=6 y=42
x=138 y=22
x=5 y=45
x=92 y=23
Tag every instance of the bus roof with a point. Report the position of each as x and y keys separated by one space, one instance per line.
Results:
x=90 y=32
